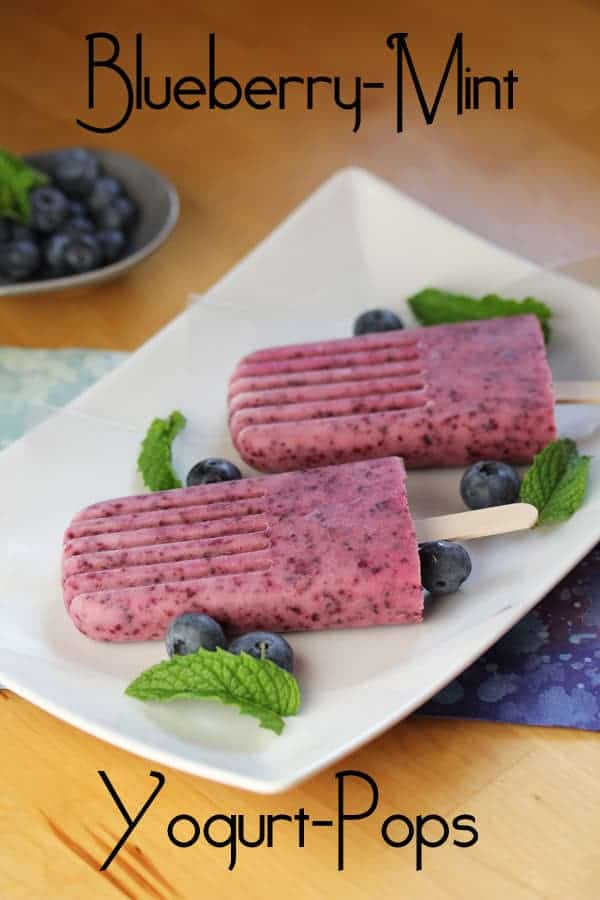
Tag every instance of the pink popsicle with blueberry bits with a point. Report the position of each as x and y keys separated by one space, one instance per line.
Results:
x=327 y=548
x=437 y=396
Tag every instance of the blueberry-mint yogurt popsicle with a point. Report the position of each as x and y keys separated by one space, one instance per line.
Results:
x=327 y=548
x=445 y=395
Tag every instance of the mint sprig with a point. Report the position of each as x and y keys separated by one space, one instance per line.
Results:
x=556 y=482
x=258 y=687
x=434 y=307
x=155 y=459
x=17 y=179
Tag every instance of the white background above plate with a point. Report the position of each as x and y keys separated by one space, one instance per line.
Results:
x=354 y=244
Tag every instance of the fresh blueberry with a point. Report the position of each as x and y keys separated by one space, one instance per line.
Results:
x=78 y=225
x=77 y=209
x=19 y=260
x=113 y=243
x=444 y=566
x=15 y=231
x=83 y=253
x=377 y=320
x=71 y=254
x=54 y=253
x=211 y=470
x=264 y=645
x=106 y=189
x=49 y=208
x=190 y=632
x=76 y=171
x=489 y=483
x=120 y=213
x=6 y=230
x=22 y=233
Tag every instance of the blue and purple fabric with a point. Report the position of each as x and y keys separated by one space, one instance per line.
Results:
x=545 y=671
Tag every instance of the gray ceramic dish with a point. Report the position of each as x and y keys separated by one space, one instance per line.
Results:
x=158 y=206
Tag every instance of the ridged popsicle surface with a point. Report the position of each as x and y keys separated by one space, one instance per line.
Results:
x=438 y=396
x=326 y=548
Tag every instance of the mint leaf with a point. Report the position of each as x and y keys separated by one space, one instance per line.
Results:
x=258 y=687
x=556 y=482
x=569 y=494
x=434 y=307
x=547 y=469
x=155 y=460
x=17 y=179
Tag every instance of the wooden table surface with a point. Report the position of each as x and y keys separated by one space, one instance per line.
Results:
x=529 y=179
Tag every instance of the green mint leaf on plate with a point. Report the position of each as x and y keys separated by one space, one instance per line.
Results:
x=258 y=687
x=434 y=307
x=570 y=493
x=17 y=178
x=556 y=482
x=155 y=460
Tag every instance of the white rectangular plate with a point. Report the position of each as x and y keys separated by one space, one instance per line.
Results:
x=355 y=244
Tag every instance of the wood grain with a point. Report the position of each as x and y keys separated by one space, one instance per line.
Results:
x=529 y=180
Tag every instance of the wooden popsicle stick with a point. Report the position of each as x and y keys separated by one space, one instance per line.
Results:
x=476 y=523
x=577 y=391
